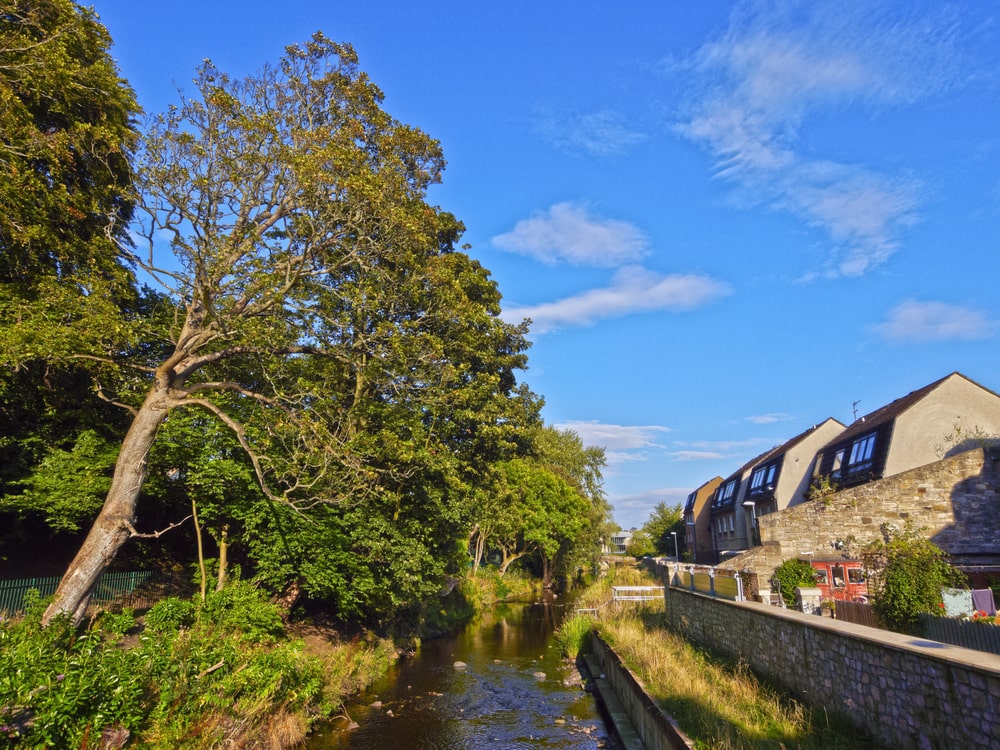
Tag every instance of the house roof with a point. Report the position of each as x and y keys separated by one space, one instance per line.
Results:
x=693 y=495
x=890 y=411
x=788 y=444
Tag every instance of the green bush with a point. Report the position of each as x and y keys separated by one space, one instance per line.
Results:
x=195 y=672
x=906 y=575
x=573 y=636
x=790 y=575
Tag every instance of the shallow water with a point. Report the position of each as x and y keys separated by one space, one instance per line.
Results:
x=513 y=692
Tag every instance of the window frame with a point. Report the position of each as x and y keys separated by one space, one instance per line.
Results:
x=862 y=455
x=762 y=478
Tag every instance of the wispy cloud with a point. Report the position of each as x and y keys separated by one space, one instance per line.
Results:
x=633 y=289
x=768 y=418
x=569 y=233
x=916 y=321
x=697 y=455
x=602 y=134
x=777 y=64
x=614 y=436
x=710 y=450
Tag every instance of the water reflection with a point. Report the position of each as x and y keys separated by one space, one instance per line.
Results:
x=513 y=692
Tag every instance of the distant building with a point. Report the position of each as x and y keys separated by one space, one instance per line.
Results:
x=619 y=541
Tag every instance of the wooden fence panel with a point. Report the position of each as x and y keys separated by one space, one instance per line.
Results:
x=860 y=613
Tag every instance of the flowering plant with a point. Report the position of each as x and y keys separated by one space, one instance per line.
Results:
x=981 y=617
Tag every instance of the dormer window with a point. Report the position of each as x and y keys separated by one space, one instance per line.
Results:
x=725 y=494
x=763 y=479
x=862 y=452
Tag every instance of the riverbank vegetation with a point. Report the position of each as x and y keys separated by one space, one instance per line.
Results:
x=190 y=674
x=238 y=339
x=718 y=703
x=231 y=669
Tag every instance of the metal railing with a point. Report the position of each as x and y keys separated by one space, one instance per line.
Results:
x=709 y=582
x=114 y=589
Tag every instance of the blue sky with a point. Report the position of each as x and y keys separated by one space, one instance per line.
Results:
x=727 y=220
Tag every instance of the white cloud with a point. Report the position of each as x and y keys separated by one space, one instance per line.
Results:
x=602 y=134
x=776 y=65
x=614 y=437
x=633 y=289
x=697 y=455
x=567 y=232
x=912 y=320
x=769 y=418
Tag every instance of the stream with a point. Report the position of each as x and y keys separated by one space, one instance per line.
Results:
x=498 y=684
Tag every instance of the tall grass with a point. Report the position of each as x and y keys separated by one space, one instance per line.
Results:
x=721 y=705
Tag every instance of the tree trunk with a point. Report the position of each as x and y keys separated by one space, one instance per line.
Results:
x=223 y=543
x=508 y=559
x=113 y=524
x=201 y=550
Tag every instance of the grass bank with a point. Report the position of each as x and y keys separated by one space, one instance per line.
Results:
x=720 y=704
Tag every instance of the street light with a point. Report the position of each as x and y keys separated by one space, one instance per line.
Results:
x=677 y=556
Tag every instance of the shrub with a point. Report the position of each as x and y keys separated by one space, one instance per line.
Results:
x=790 y=575
x=906 y=575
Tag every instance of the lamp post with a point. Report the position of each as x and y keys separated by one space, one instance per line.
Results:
x=677 y=556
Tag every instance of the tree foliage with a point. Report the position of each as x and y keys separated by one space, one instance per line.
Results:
x=906 y=573
x=314 y=304
x=663 y=522
x=66 y=137
x=547 y=506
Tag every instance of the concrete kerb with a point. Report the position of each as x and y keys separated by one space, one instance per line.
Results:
x=656 y=729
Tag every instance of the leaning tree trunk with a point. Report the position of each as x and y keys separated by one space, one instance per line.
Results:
x=113 y=525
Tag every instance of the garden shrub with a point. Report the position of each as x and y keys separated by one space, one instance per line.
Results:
x=790 y=575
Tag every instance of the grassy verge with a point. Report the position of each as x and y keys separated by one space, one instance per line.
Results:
x=721 y=705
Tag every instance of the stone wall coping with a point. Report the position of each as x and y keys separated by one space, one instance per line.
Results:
x=965 y=657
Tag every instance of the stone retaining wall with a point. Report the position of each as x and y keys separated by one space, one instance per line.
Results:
x=657 y=730
x=905 y=692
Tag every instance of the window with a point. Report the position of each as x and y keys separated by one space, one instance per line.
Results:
x=762 y=479
x=732 y=526
x=838 y=464
x=820 y=574
x=838 y=576
x=856 y=575
x=724 y=495
x=862 y=451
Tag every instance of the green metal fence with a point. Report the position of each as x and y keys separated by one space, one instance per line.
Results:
x=114 y=590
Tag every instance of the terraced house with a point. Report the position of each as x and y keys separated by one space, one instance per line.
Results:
x=942 y=419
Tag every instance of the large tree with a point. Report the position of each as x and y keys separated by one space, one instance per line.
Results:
x=315 y=305
x=66 y=137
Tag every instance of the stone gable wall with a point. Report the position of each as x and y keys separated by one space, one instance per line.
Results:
x=956 y=501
